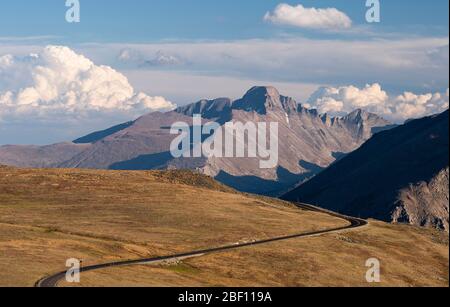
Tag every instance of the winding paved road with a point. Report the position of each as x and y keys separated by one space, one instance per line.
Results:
x=52 y=281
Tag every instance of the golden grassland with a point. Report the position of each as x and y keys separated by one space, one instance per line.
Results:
x=48 y=216
x=409 y=256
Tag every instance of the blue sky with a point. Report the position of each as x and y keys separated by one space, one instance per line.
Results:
x=145 y=21
x=60 y=80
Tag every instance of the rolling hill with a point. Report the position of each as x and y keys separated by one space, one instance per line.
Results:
x=98 y=216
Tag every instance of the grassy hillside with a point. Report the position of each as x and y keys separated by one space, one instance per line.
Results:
x=48 y=216
x=409 y=257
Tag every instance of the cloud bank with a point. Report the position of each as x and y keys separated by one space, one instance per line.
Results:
x=341 y=100
x=58 y=84
x=160 y=59
x=309 y=18
x=414 y=64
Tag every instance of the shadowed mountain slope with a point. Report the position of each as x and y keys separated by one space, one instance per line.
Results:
x=96 y=136
x=398 y=175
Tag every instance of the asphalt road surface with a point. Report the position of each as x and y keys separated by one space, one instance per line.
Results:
x=52 y=281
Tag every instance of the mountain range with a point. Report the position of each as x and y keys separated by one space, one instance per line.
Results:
x=400 y=175
x=310 y=142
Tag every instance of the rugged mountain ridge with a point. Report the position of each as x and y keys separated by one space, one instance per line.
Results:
x=425 y=204
x=308 y=142
x=400 y=175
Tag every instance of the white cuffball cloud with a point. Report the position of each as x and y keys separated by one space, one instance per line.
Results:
x=372 y=98
x=58 y=81
x=309 y=18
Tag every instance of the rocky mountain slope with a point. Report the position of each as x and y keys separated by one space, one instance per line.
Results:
x=426 y=203
x=39 y=156
x=399 y=175
x=308 y=142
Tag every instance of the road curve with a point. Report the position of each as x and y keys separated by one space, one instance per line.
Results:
x=52 y=281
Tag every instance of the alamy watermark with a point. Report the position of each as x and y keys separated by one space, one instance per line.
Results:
x=373 y=14
x=373 y=274
x=74 y=270
x=73 y=14
x=231 y=140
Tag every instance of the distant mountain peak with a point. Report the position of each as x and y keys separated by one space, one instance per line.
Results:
x=362 y=115
x=309 y=142
x=363 y=123
x=211 y=109
x=260 y=99
x=268 y=91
